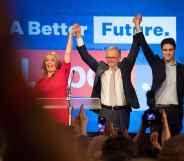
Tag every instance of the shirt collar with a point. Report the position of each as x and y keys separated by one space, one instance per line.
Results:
x=169 y=64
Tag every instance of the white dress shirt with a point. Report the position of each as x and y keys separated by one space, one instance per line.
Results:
x=106 y=94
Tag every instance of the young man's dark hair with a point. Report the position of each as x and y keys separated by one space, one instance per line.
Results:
x=168 y=79
x=168 y=41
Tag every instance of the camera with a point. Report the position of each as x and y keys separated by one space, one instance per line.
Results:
x=101 y=123
x=151 y=118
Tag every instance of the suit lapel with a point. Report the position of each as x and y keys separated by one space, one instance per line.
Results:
x=178 y=78
x=101 y=68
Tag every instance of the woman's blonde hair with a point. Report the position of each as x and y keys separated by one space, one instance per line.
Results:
x=57 y=62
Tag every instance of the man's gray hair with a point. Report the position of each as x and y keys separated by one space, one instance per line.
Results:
x=114 y=48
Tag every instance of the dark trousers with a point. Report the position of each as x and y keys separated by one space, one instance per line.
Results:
x=118 y=116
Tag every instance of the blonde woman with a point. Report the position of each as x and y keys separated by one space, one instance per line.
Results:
x=54 y=81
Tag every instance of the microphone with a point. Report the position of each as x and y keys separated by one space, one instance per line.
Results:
x=70 y=84
x=73 y=72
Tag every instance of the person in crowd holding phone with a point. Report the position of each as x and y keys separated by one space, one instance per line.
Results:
x=149 y=139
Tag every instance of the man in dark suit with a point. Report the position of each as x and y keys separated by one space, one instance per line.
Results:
x=112 y=82
x=167 y=89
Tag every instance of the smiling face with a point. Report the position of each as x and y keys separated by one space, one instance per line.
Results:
x=50 y=63
x=168 y=51
x=168 y=47
x=112 y=56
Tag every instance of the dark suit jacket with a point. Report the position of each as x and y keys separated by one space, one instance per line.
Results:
x=125 y=66
x=159 y=72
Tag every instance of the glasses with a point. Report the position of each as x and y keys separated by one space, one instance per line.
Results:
x=168 y=49
x=111 y=57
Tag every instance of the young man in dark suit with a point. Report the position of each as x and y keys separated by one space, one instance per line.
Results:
x=112 y=82
x=167 y=89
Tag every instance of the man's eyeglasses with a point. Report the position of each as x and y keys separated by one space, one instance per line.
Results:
x=111 y=57
x=168 y=49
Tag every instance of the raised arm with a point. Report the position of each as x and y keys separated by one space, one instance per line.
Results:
x=133 y=50
x=68 y=50
x=141 y=133
x=86 y=57
x=166 y=134
x=148 y=53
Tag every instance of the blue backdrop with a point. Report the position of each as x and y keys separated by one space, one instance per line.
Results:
x=30 y=17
